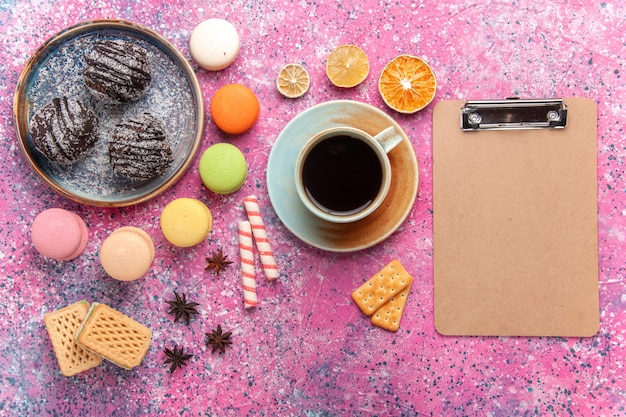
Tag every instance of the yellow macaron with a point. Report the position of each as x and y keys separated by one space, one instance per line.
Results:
x=186 y=222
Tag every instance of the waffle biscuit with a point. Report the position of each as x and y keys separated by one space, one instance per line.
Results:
x=62 y=326
x=114 y=336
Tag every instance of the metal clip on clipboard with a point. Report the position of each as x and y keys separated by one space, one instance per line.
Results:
x=513 y=113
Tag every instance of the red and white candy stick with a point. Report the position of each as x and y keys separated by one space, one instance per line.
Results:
x=251 y=205
x=247 y=264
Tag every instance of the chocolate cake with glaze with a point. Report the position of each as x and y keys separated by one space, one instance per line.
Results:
x=139 y=148
x=64 y=130
x=117 y=71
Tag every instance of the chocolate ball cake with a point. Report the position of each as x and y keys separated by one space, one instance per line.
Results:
x=139 y=148
x=117 y=71
x=64 y=130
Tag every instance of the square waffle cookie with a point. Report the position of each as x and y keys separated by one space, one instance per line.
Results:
x=62 y=326
x=114 y=336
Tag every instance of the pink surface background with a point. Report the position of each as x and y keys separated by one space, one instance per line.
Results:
x=307 y=350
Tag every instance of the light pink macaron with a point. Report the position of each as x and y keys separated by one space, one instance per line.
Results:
x=127 y=253
x=59 y=234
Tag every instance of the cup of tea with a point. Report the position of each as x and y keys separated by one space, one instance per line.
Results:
x=343 y=174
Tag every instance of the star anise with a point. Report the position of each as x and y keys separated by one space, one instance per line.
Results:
x=182 y=308
x=177 y=358
x=217 y=262
x=218 y=339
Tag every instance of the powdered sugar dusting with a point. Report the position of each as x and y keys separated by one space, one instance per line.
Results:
x=139 y=148
x=169 y=98
x=64 y=130
x=117 y=71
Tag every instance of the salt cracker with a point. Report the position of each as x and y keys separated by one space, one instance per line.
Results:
x=380 y=288
x=389 y=315
x=62 y=325
x=114 y=336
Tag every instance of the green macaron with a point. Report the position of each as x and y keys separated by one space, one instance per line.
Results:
x=223 y=168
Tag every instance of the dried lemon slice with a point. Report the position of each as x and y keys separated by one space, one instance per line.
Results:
x=407 y=84
x=293 y=80
x=347 y=66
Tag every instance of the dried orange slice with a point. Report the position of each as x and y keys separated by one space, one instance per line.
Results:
x=293 y=80
x=407 y=84
x=347 y=66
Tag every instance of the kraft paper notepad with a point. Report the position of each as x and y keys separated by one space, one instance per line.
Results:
x=515 y=224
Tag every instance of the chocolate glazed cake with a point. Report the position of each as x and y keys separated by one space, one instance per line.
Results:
x=64 y=130
x=117 y=71
x=139 y=148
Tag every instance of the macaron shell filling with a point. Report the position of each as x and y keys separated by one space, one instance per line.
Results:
x=214 y=44
x=234 y=109
x=84 y=238
x=223 y=168
x=59 y=234
x=186 y=222
x=127 y=253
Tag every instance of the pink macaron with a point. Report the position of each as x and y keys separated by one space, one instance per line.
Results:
x=59 y=234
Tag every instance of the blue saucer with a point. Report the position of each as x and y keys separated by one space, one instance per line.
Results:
x=299 y=220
